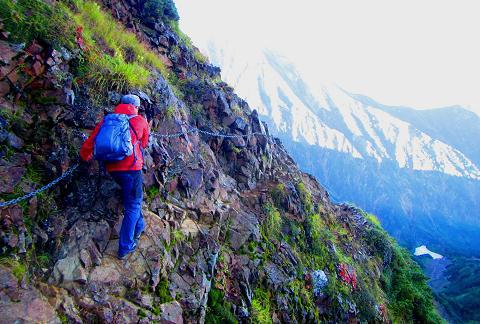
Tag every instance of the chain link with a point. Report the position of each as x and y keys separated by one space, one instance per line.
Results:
x=191 y=130
x=198 y=130
x=74 y=167
x=36 y=192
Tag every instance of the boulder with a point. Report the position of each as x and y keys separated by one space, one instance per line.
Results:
x=8 y=51
x=319 y=281
x=22 y=304
x=171 y=313
x=67 y=270
x=10 y=176
x=106 y=274
x=244 y=226
x=14 y=141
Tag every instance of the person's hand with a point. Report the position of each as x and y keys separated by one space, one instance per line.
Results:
x=83 y=164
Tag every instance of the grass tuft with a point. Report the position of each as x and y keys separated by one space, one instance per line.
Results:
x=261 y=307
x=116 y=59
x=29 y=20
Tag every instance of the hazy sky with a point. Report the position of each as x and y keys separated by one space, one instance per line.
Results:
x=419 y=53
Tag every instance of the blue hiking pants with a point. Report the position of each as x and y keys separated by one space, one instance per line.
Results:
x=132 y=196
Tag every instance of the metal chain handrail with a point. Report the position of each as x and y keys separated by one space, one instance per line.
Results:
x=195 y=129
x=36 y=192
x=75 y=166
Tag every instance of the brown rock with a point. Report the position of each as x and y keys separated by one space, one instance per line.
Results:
x=105 y=274
x=244 y=226
x=171 y=313
x=8 y=52
x=14 y=213
x=95 y=255
x=27 y=304
x=79 y=275
x=20 y=159
x=34 y=49
x=4 y=88
x=59 y=299
x=163 y=41
x=38 y=68
x=85 y=258
x=13 y=240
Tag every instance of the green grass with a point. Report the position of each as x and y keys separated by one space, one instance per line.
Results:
x=272 y=226
x=117 y=59
x=43 y=260
x=461 y=295
x=162 y=291
x=373 y=219
x=279 y=193
x=18 y=269
x=320 y=235
x=306 y=198
x=261 y=307
x=236 y=150
x=196 y=110
x=152 y=192
x=27 y=20
x=141 y=313
x=170 y=112
x=219 y=310
x=410 y=298
x=114 y=59
x=176 y=236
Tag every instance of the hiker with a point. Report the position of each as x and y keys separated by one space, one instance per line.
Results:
x=112 y=142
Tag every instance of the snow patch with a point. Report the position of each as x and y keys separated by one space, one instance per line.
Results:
x=422 y=250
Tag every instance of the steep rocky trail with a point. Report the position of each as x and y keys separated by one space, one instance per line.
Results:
x=235 y=231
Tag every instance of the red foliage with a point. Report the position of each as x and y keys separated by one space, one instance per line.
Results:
x=348 y=275
x=79 y=38
x=383 y=313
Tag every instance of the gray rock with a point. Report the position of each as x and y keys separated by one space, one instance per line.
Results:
x=239 y=124
x=319 y=281
x=244 y=226
x=10 y=177
x=66 y=270
x=171 y=313
x=15 y=141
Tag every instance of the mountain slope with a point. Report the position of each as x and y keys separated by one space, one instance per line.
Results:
x=418 y=170
x=235 y=231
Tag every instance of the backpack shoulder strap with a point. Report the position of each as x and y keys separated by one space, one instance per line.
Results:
x=136 y=142
x=132 y=128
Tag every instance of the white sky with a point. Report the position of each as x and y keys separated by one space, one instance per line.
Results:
x=420 y=53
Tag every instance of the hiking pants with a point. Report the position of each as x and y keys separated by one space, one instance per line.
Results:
x=132 y=196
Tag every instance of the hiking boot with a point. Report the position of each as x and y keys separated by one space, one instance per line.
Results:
x=137 y=237
x=124 y=256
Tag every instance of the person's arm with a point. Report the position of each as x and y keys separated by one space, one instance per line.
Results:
x=146 y=133
x=86 y=152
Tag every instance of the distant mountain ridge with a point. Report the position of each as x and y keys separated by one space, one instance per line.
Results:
x=417 y=169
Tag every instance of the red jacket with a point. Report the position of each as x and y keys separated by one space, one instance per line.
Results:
x=141 y=129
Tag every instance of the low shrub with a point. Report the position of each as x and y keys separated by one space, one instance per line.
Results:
x=219 y=310
x=29 y=20
x=261 y=307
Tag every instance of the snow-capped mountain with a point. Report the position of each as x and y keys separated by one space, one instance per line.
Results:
x=401 y=163
x=330 y=117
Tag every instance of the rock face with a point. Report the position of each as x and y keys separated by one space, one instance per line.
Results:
x=392 y=161
x=233 y=227
x=25 y=304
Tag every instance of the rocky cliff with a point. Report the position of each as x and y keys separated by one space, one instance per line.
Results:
x=235 y=232
x=395 y=162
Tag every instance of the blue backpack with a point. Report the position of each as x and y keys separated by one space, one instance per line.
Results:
x=113 y=141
